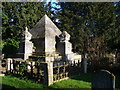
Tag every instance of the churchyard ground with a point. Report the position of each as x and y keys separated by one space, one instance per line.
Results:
x=81 y=81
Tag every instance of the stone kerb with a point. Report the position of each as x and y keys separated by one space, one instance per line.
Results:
x=103 y=79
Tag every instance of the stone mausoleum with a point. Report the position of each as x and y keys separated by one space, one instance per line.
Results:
x=47 y=41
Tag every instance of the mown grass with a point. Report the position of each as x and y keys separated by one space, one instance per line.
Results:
x=82 y=81
x=13 y=82
x=71 y=83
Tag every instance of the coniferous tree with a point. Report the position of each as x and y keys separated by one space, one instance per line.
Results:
x=15 y=17
x=89 y=24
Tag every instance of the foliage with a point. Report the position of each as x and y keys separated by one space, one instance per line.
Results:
x=15 y=17
x=9 y=28
x=91 y=26
x=94 y=26
x=10 y=47
x=2 y=43
x=114 y=41
x=22 y=68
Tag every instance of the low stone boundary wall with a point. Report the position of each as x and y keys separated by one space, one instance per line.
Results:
x=65 y=69
x=43 y=72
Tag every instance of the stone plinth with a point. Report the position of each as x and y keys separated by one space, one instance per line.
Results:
x=73 y=56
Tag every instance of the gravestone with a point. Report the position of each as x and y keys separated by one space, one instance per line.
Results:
x=103 y=79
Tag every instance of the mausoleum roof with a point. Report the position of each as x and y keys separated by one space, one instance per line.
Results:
x=44 y=27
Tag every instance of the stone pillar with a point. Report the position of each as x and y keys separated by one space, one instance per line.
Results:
x=28 y=66
x=48 y=73
x=26 y=46
x=8 y=64
x=84 y=65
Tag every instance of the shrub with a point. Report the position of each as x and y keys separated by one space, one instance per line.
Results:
x=22 y=68
x=10 y=47
x=101 y=63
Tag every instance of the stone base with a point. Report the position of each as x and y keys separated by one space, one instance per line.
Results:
x=49 y=59
x=73 y=56
x=23 y=56
x=58 y=58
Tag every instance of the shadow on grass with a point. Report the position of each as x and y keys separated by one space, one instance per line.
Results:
x=87 y=77
x=117 y=81
x=5 y=87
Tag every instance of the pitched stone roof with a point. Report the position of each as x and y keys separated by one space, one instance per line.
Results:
x=45 y=27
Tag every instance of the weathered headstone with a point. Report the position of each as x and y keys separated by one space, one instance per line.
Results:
x=103 y=79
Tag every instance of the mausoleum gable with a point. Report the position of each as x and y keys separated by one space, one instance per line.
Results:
x=38 y=31
x=44 y=27
x=50 y=27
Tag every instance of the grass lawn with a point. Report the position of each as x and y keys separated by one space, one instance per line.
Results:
x=82 y=81
x=14 y=82
x=71 y=83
